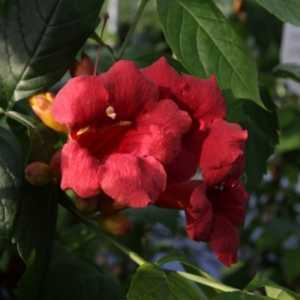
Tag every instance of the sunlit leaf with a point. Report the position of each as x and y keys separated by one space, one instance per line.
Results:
x=205 y=43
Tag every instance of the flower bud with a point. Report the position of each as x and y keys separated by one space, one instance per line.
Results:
x=38 y=173
x=41 y=104
x=116 y=224
x=83 y=67
x=109 y=207
x=87 y=206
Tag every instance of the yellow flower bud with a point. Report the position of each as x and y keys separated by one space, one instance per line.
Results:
x=38 y=173
x=41 y=104
x=117 y=224
x=87 y=206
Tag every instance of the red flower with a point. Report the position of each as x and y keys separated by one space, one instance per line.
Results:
x=140 y=135
x=121 y=135
x=216 y=145
x=213 y=214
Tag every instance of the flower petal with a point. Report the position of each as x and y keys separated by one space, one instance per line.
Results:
x=158 y=133
x=130 y=91
x=164 y=76
x=230 y=202
x=80 y=170
x=177 y=196
x=191 y=197
x=185 y=165
x=224 y=240
x=131 y=180
x=202 y=97
x=222 y=152
x=81 y=102
x=199 y=215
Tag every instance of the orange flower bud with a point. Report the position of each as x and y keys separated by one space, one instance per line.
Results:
x=41 y=104
x=87 y=206
x=83 y=67
x=117 y=224
x=237 y=6
x=38 y=173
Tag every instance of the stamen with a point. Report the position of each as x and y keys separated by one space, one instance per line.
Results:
x=110 y=112
x=124 y=123
x=82 y=131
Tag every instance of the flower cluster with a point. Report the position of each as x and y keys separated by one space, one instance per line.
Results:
x=140 y=135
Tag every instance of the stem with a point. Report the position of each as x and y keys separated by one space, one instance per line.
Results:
x=92 y=225
x=132 y=28
x=136 y=258
x=99 y=40
x=204 y=281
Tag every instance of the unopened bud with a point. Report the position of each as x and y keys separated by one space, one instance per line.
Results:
x=41 y=104
x=38 y=173
x=83 y=67
x=87 y=206
x=237 y=5
x=116 y=224
x=109 y=207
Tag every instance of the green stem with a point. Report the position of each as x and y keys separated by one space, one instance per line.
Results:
x=138 y=259
x=132 y=28
x=99 y=40
x=95 y=227
x=204 y=281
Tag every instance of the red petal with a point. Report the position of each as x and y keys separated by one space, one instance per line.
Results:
x=177 y=196
x=82 y=101
x=199 y=215
x=80 y=170
x=184 y=166
x=222 y=154
x=202 y=97
x=159 y=132
x=130 y=91
x=224 y=240
x=133 y=181
x=191 y=197
x=164 y=76
x=230 y=202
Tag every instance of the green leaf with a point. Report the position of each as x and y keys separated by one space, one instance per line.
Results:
x=286 y=11
x=273 y=290
x=194 y=269
x=205 y=43
x=278 y=293
x=10 y=177
x=240 y=296
x=36 y=222
x=38 y=42
x=291 y=264
x=71 y=278
x=34 y=233
x=151 y=283
x=288 y=71
x=262 y=129
x=190 y=267
x=289 y=129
